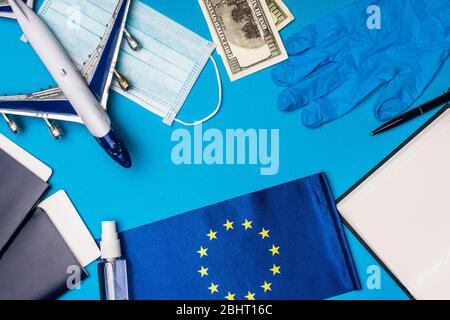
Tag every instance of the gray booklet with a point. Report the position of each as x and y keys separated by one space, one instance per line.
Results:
x=34 y=257
x=45 y=246
x=38 y=263
x=20 y=189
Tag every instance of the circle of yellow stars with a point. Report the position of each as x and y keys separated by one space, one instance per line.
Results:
x=247 y=225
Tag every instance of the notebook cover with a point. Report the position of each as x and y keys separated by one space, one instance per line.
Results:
x=35 y=265
x=20 y=189
x=357 y=184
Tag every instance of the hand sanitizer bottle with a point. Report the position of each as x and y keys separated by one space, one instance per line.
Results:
x=112 y=268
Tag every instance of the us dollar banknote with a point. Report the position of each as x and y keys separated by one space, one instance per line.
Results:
x=245 y=33
x=280 y=13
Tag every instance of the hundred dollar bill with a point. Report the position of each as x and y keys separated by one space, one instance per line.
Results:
x=245 y=34
x=280 y=13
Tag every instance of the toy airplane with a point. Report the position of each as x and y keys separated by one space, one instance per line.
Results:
x=6 y=10
x=80 y=96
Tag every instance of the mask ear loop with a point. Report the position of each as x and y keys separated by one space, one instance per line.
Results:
x=219 y=102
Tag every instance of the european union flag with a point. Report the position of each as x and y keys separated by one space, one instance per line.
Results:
x=285 y=242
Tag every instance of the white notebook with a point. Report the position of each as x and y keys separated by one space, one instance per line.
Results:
x=402 y=211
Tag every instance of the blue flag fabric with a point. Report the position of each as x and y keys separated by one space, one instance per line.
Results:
x=285 y=242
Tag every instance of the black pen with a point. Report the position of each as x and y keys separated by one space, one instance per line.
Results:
x=414 y=113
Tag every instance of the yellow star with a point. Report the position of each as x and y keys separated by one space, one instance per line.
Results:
x=230 y=296
x=203 y=272
x=266 y=286
x=275 y=270
x=213 y=288
x=250 y=296
x=264 y=233
x=274 y=250
x=229 y=225
x=202 y=252
x=247 y=224
x=212 y=235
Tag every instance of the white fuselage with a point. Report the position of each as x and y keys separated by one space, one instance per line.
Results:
x=62 y=69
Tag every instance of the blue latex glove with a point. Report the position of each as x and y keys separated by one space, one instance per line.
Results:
x=337 y=62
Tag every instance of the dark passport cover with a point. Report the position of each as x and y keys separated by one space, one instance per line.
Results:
x=35 y=265
x=34 y=258
x=20 y=189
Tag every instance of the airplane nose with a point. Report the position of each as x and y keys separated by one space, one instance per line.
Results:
x=123 y=159
x=115 y=149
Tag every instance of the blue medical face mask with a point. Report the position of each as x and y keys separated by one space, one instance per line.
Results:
x=162 y=72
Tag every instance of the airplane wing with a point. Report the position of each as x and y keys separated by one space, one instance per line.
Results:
x=99 y=69
x=50 y=104
x=6 y=11
x=98 y=72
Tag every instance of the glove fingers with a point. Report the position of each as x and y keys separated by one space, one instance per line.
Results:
x=312 y=87
x=340 y=101
x=326 y=31
x=312 y=36
x=292 y=71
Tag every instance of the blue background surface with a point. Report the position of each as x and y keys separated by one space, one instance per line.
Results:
x=155 y=188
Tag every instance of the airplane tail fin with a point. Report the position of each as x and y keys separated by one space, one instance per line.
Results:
x=6 y=11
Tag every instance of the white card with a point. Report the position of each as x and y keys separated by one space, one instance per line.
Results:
x=65 y=217
x=27 y=160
